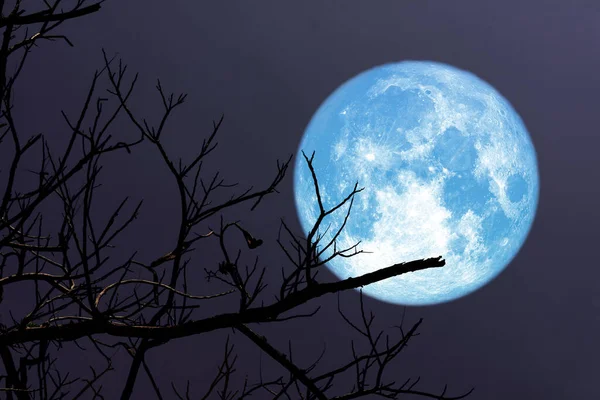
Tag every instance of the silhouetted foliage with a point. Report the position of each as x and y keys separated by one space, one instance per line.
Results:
x=140 y=305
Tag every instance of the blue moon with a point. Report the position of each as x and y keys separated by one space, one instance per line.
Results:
x=448 y=167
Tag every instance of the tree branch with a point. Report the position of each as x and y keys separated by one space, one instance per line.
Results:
x=281 y=358
x=45 y=16
x=228 y=320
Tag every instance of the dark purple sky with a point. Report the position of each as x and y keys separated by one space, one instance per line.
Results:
x=530 y=334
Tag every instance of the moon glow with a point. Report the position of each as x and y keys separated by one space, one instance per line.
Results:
x=448 y=169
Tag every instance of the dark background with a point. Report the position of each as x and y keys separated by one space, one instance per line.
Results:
x=530 y=334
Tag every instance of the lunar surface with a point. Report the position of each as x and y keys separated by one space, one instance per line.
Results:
x=448 y=169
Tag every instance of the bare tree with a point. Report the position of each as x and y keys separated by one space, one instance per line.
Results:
x=81 y=296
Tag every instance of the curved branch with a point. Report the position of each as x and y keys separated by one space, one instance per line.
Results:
x=229 y=320
x=147 y=282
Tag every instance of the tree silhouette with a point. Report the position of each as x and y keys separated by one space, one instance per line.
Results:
x=80 y=296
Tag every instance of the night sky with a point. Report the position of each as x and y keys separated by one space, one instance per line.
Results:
x=267 y=65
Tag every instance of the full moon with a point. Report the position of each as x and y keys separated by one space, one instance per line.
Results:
x=448 y=169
